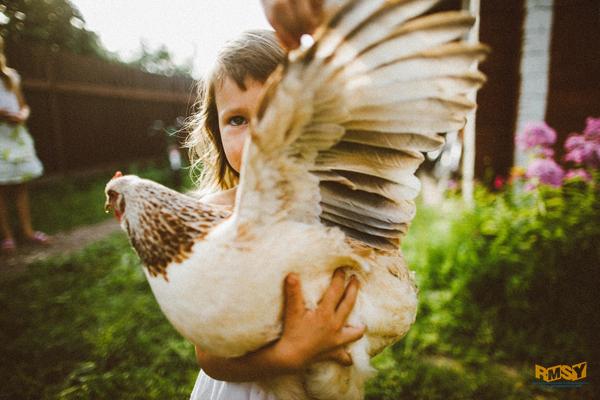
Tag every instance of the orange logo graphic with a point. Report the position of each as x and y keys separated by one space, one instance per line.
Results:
x=559 y=372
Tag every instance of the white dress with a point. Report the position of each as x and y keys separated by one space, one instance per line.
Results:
x=207 y=388
x=18 y=161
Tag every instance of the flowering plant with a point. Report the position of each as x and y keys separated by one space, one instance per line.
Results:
x=582 y=154
x=537 y=137
x=584 y=149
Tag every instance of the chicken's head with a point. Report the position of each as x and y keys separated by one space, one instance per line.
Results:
x=117 y=190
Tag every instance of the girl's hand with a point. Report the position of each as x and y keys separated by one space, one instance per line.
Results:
x=21 y=116
x=5 y=115
x=293 y=18
x=319 y=334
x=15 y=118
x=308 y=336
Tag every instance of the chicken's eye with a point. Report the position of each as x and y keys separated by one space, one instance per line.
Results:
x=237 y=120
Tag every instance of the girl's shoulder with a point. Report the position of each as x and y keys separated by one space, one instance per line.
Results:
x=221 y=198
x=14 y=75
x=12 y=80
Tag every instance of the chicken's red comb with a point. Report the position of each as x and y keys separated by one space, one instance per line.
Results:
x=118 y=174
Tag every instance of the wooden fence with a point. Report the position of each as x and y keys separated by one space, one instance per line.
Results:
x=88 y=112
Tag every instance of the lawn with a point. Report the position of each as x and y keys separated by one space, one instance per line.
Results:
x=86 y=326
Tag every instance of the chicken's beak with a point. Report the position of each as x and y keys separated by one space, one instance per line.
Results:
x=108 y=207
x=115 y=202
x=108 y=204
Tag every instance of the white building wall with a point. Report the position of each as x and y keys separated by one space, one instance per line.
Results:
x=535 y=65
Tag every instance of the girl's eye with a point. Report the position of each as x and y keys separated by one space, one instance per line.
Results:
x=237 y=120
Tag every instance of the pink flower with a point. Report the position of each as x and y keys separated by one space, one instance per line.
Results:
x=573 y=141
x=592 y=128
x=578 y=173
x=546 y=171
x=546 y=152
x=582 y=149
x=536 y=134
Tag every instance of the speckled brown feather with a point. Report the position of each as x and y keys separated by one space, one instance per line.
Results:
x=168 y=225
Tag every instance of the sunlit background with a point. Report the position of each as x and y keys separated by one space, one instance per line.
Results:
x=192 y=30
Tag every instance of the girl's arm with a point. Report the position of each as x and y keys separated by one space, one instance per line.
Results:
x=308 y=336
x=24 y=110
x=258 y=365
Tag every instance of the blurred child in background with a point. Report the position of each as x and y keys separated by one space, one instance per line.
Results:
x=18 y=160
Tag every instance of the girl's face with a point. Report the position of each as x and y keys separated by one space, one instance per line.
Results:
x=235 y=108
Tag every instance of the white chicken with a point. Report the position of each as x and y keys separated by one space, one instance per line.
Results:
x=327 y=180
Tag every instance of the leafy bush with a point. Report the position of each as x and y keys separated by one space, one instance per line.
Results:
x=516 y=278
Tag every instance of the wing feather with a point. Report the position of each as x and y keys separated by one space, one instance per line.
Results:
x=395 y=140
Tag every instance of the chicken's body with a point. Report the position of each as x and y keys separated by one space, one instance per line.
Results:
x=231 y=311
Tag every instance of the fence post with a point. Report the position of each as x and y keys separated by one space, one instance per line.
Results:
x=468 y=167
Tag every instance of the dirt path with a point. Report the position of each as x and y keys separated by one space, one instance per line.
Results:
x=62 y=243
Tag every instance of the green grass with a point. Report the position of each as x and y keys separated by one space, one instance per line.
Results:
x=87 y=326
x=434 y=377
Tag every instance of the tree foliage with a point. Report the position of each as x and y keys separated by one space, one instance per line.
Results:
x=55 y=23
x=59 y=25
x=159 y=61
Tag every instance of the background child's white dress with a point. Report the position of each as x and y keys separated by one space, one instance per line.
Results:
x=207 y=388
x=18 y=161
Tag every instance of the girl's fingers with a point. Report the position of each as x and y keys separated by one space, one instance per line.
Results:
x=339 y=355
x=307 y=20
x=289 y=22
x=317 y=7
x=287 y=40
x=334 y=292
x=346 y=305
x=294 y=300
x=281 y=15
x=292 y=18
x=350 y=334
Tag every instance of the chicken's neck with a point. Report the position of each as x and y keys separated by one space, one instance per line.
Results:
x=164 y=226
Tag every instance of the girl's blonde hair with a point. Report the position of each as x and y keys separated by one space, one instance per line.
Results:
x=255 y=54
x=6 y=74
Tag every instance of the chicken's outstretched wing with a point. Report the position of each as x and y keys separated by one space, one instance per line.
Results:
x=340 y=129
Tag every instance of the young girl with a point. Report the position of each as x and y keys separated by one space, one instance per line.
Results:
x=18 y=161
x=229 y=96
